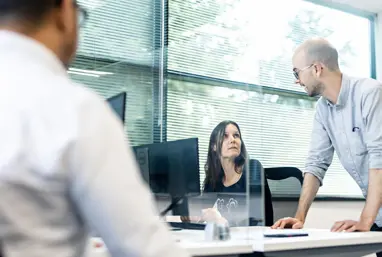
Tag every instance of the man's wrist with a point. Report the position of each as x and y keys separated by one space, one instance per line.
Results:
x=368 y=215
x=367 y=220
x=300 y=218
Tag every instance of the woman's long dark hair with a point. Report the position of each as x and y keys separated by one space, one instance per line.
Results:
x=213 y=168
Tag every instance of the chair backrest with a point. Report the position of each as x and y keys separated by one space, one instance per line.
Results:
x=256 y=172
x=287 y=207
x=281 y=173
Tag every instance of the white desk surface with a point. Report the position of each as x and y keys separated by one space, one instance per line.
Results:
x=195 y=243
x=250 y=239
x=318 y=238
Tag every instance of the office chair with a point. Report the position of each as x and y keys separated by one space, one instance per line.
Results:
x=284 y=208
x=268 y=205
x=256 y=171
x=281 y=173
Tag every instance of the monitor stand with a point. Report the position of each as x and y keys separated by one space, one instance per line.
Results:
x=179 y=207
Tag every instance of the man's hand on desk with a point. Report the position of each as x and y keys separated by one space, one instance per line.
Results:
x=288 y=222
x=351 y=226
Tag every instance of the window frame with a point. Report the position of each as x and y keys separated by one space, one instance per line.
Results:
x=217 y=81
x=160 y=70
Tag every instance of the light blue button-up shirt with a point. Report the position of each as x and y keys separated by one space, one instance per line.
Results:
x=353 y=128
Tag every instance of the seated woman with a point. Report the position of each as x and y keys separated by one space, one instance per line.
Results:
x=226 y=174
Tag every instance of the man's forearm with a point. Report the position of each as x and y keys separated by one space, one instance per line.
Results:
x=374 y=196
x=308 y=193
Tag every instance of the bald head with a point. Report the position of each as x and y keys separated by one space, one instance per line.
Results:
x=319 y=50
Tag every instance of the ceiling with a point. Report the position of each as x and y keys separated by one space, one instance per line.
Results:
x=374 y=6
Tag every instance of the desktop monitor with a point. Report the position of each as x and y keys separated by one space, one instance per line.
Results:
x=118 y=104
x=171 y=168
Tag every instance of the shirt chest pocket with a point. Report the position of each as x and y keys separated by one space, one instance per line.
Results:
x=357 y=143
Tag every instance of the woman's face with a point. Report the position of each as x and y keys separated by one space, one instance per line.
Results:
x=231 y=146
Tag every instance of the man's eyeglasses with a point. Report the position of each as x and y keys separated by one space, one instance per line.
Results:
x=296 y=72
x=82 y=13
x=82 y=16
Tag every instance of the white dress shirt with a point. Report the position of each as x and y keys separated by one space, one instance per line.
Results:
x=65 y=165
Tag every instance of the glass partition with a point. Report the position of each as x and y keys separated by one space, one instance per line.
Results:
x=242 y=49
x=120 y=50
x=212 y=112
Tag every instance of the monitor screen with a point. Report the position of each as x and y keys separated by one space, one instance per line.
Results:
x=171 y=168
x=118 y=104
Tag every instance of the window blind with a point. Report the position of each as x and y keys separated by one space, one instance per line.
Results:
x=110 y=79
x=252 y=42
x=216 y=44
x=119 y=30
x=117 y=53
x=275 y=128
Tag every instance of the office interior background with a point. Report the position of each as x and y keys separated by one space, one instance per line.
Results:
x=186 y=65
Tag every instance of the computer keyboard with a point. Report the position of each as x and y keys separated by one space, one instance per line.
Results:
x=186 y=225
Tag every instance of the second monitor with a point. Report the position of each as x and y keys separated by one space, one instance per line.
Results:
x=171 y=168
x=118 y=104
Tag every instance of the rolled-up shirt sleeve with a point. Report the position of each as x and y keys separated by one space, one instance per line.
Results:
x=321 y=151
x=372 y=115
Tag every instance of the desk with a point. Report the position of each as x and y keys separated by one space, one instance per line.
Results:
x=250 y=242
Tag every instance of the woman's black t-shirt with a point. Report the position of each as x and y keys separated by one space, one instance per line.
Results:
x=232 y=202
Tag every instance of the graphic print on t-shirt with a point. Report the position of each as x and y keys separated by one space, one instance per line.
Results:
x=231 y=208
x=226 y=206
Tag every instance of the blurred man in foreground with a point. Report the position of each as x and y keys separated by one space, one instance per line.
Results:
x=64 y=161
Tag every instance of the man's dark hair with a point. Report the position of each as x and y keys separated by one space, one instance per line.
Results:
x=32 y=11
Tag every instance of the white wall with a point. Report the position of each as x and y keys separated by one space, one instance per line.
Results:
x=323 y=214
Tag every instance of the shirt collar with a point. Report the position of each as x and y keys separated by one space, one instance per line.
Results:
x=15 y=44
x=344 y=92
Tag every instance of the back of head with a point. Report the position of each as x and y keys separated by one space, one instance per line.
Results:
x=54 y=23
x=27 y=12
x=320 y=50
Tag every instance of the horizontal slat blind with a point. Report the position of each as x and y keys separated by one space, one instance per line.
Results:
x=115 y=54
x=120 y=30
x=252 y=42
x=136 y=82
x=271 y=132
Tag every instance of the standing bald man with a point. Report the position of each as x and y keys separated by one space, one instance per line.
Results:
x=348 y=120
x=64 y=162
